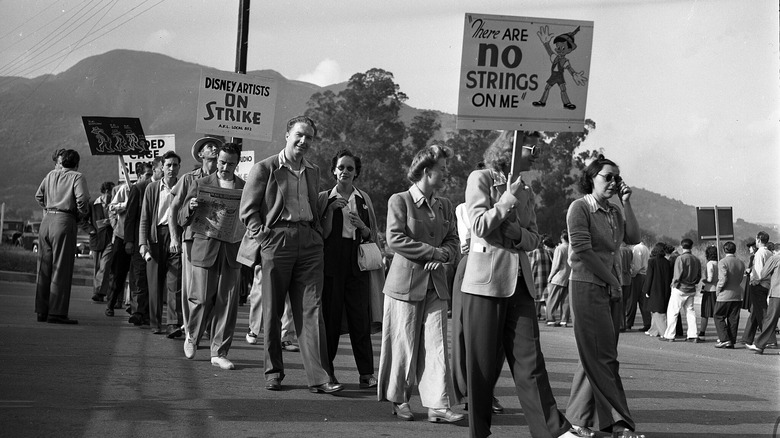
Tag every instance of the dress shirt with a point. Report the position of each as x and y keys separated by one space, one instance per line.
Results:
x=64 y=190
x=296 y=196
x=641 y=255
x=347 y=229
x=166 y=196
x=762 y=255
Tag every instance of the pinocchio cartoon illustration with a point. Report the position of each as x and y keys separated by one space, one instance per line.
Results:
x=563 y=45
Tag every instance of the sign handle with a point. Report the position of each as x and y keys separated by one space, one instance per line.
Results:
x=514 y=154
x=122 y=166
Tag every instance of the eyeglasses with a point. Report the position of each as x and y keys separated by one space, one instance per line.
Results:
x=608 y=177
x=534 y=150
x=349 y=168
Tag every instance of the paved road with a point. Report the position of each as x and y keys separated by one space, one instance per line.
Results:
x=105 y=377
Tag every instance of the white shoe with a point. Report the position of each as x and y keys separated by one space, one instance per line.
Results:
x=189 y=348
x=222 y=362
x=251 y=338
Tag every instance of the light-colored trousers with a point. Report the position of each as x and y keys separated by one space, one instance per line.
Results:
x=103 y=275
x=256 y=309
x=414 y=349
x=213 y=297
x=658 y=326
x=678 y=301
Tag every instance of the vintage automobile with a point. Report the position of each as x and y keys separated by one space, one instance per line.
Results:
x=29 y=239
x=12 y=231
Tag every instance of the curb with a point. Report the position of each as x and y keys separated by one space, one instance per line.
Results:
x=26 y=277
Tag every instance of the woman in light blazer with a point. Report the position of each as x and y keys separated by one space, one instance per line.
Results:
x=498 y=308
x=421 y=229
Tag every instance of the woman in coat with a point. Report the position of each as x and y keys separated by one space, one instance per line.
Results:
x=657 y=288
x=421 y=229
x=348 y=219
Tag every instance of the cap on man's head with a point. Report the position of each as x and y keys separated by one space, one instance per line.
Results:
x=198 y=146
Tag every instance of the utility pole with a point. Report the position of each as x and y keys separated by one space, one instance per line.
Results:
x=242 y=44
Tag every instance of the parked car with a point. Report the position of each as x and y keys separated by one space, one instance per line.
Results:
x=29 y=238
x=12 y=230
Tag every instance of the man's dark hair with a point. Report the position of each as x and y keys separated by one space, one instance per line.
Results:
x=565 y=234
x=686 y=243
x=762 y=237
x=107 y=187
x=171 y=154
x=729 y=247
x=301 y=119
x=231 y=149
x=70 y=159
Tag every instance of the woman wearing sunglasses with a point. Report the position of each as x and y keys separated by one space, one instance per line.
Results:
x=596 y=229
x=348 y=220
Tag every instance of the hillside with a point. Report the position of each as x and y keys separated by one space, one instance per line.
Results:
x=41 y=114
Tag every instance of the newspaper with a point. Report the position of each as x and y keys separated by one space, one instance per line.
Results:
x=217 y=214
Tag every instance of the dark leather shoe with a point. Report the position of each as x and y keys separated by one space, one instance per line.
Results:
x=402 y=411
x=109 y=312
x=136 y=319
x=582 y=431
x=496 y=406
x=56 y=319
x=695 y=340
x=327 y=388
x=42 y=317
x=273 y=384
x=726 y=344
x=98 y=298
x=173 y=332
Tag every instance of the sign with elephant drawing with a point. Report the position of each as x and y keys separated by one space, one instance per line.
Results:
x=524 y=73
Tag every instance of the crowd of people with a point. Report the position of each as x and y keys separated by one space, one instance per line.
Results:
x=298 y=252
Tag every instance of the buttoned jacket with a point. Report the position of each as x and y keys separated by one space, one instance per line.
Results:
x=414 y=235
x=502 y=230
x=262 y=203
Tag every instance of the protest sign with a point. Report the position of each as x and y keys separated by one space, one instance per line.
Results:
x=236 y=105
x=217 y=214
x=157 y=146
x=114 y=135
x=524 y=73
x=245 y=164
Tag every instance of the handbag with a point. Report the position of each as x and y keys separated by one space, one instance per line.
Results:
x=369 y=257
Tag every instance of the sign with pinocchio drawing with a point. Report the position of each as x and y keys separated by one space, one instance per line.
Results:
x=236 y=105
x=524 y=73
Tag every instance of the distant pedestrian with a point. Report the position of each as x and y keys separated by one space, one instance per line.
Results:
x=64 y=196
x=657 y=289
x=709 y=283
x=770 y=271
x=759 y=289
x=101 y=243
x=558 y=283
x=729 y=296
x=640 y=257
x=687 y=273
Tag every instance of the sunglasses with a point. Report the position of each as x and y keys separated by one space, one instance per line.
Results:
x=608 y=177
x=349 y=168
x=534 y=150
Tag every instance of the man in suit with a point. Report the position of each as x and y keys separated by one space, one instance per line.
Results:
x=759 y=290
x=139 y=286
x=64 y=196
x=100 y=242
x=163 y=264
x=203 y=151
x=279 y=210
x=214 y=288
x=498 y=305
x=728 y=299
x=771 y=272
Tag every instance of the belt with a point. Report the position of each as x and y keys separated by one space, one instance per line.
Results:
x=56 y=211
x=290 y=224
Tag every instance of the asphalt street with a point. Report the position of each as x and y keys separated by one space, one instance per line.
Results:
x=105 y=377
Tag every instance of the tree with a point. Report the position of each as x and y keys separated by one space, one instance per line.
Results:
x=423 y=128
x=365 y=119
x=559 y=166
x=468 y=147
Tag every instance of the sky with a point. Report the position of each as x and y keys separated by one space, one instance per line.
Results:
x=685 y=94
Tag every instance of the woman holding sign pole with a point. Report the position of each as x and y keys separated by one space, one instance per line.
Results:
x=498 y=308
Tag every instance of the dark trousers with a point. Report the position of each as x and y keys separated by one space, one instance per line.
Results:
x=767 y=335
x=139 y=286
x=347 y=292
x=597 y=397
x=758 y=295
x=727 y=320
x=56 y=254
x=490 y=323
x=121 y=266
x=292 y=259
x=163 y=274
x=637 y=297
